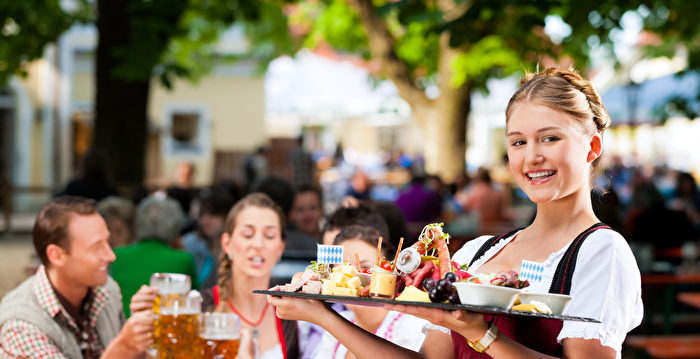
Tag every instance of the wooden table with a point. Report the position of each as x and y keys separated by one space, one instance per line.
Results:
x=669 y=281
x=677 y=346
x=690 y=298
x=666 y=279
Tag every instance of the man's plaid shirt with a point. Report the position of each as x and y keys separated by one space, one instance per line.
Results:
x=19 y=339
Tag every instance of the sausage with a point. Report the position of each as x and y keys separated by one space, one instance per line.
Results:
x=443 y=256
x=364 y=292
x=423 y=272
x=407 y=280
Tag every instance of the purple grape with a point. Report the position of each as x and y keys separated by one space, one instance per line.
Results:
x=434 y=295
x=451 y=277
x=428 y=283
x=453 y=297
x=443 y=286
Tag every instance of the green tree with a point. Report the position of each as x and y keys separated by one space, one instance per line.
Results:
x=458 y=45
x=137 y=41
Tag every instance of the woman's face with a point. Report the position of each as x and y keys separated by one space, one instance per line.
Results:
x=119 y=232
x=549 y=153
x=255 y=245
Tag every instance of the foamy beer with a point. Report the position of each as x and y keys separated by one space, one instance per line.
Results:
x=220 y=335
x=176 y=333
x=171 y=286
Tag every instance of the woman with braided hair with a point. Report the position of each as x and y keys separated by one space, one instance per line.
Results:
x=554 y=128
x=252 y=243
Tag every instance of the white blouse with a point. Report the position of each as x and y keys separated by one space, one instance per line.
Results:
x=606 y=285
x=399 y=328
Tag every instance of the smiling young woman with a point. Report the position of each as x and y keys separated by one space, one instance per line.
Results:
x=554 y=127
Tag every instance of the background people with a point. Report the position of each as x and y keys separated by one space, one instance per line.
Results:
x=119 y=214
x=158 y=223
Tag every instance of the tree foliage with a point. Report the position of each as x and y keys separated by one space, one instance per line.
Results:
x=26 y=27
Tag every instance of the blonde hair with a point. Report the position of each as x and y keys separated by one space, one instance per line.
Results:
x=564 y=90
x=257 y=199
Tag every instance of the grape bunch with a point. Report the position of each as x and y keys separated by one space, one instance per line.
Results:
x=442 y=290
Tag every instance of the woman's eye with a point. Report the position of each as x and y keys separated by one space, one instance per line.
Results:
x=517 y=143
x=247 y=233
x=271 y=234
x=550 y=139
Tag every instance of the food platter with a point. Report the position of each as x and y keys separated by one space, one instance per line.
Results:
x=380 y=302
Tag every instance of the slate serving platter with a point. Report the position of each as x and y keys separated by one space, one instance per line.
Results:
x=380 y=302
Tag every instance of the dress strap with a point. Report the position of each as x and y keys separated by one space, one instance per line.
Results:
x=217 y=297
x=280 y=335
x=490 y=243
x=561 y=283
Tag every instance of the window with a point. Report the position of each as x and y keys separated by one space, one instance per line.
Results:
x=186 y=131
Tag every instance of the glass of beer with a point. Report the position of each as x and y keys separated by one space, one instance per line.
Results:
x=171 y=286
x=177 y=309
x=220 y=335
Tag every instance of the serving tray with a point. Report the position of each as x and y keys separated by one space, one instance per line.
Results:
x=380 y=302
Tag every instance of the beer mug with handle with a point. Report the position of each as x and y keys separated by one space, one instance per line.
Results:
x=177 y=310
x=220 y=335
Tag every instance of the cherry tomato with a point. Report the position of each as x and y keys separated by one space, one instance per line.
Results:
x=366 y=270
x=386 y=265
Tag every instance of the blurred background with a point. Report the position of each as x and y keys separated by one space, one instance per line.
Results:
x=362 y=98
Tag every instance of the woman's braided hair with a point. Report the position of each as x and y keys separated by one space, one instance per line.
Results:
x=260 y=200
x=564 y=90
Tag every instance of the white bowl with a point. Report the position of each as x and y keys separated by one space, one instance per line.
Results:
x=486 y=294
x=364 y=278
x=556 y=302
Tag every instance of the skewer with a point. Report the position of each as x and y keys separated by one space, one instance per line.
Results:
x=396 y=258
x=379 y=250
x=357 y=260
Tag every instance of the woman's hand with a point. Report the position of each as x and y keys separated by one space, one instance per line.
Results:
x=471 y=325
x=308 y=310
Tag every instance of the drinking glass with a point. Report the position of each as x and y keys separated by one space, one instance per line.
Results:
x=220 y=335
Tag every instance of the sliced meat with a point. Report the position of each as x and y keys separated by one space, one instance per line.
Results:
x=312 y=287
x=299 y=281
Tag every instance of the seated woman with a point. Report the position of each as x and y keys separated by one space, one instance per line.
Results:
x=252 y=243
x=554 y=128
x=399 y=328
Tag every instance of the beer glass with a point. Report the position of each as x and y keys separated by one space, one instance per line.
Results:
x=171 y=286
x=220 y=335
x=177 y=309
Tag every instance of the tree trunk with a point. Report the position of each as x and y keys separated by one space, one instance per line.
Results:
x=445 y=129
x=444 y=120
x=120 y=106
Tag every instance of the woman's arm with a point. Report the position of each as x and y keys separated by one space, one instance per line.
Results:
x=358 y=341
x=473 y=327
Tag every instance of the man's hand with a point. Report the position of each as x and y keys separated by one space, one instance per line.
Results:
x=135 y=336
x=137 y=332
x=143 y=299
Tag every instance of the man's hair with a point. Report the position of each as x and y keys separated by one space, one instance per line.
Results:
x=366 y=234
x=51 y=226
x=216 y=202
x=310 y=187
x=362 y=215
x=159 y=218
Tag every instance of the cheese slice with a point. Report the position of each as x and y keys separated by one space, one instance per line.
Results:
x=413 y=294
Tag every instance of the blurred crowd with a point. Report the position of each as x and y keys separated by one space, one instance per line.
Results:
x=656 y=208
